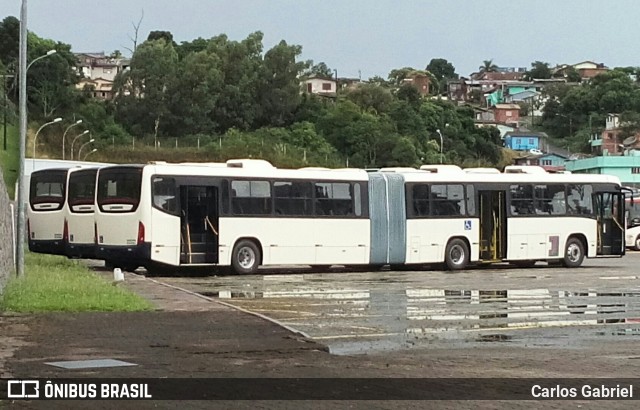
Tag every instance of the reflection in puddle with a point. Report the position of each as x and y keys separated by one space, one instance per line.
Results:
x=494 y=338
x=351 y=320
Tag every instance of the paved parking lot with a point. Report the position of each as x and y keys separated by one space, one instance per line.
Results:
x=369 y=312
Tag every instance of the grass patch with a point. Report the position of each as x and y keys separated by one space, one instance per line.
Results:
x=10 y=159
x=57 y=284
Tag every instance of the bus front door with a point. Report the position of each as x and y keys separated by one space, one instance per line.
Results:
x=199 y=224
x=493 y=226
x=610 y=215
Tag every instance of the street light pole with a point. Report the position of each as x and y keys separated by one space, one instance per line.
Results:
x=64 y=135
x=35 y=139
x=23 y=137
x=89 y=153
x=22 y=70
x=74 y=141
x=84 y=145
x=441 y=143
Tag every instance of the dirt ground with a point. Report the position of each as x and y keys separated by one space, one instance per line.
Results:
x=190 y=337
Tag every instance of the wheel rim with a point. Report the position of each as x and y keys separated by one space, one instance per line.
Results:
x=573 y=252
x=246 y=257
x=456 y=254
x=638 y=242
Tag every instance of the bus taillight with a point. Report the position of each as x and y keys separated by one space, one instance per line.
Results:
x=28 y=229
x=140 y=233
x=65 y=231
x=95 y=233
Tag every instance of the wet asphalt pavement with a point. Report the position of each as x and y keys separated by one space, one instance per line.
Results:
x=373 y=312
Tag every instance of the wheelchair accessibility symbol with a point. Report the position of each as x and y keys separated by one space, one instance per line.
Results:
x=467 y=225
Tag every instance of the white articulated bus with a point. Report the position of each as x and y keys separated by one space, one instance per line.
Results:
x=246 y=213
x=60 y=211
x=522 y=216
x=242 y=214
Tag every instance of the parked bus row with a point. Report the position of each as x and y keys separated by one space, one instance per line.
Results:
x=246 y=213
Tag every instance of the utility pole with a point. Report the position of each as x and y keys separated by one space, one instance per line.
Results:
x=23 y=136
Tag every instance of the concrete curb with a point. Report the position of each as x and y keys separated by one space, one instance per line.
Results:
x=261 y=316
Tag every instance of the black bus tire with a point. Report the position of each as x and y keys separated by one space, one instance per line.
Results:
x=245 y=258
x=573 y=253
x=456 y=255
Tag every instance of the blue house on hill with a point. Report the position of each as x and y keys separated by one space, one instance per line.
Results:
x=526 y=141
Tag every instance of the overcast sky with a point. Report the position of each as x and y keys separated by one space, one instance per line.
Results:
x=367 y=36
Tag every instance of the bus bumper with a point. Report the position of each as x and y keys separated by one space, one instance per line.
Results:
x=137 y=255
x=81 y=250
x=51 y=247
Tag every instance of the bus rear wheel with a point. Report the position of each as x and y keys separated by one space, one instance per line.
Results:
x=456 y=255
x=574 y=253
x=245 y=258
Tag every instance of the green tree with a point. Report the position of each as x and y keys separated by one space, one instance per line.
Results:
x=9 y=41
x=488 y=67
x=241 y=67
x=279 y=89
x=371 y=97
x=397 y=76
x=187 y=47
x=572 y=75
x=442 y=71
x=539 y=70
x=143 y=91
x=194 y=95
x=320 y=70
x=51 y=81
x=161 y=35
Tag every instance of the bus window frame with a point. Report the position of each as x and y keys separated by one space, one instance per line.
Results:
x=73 y=203
x=119 y=200
x=60 y=200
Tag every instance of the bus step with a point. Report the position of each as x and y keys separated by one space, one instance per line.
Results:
x=198 y=237
x=194 y=257
x=197 y=247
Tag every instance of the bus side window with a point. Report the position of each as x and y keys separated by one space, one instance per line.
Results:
x=579 y=199
x=421 y=199
x=224 y=198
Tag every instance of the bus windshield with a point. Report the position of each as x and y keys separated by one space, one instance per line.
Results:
x=82 y=185
x=119 y=189
x=47 y=190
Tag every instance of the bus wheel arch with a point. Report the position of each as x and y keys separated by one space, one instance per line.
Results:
x=574 y=251
x=246 y=256
x=457 y=253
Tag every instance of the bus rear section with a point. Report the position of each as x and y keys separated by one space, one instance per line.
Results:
x=119 y=227
x=45 y=217
x=79 y=213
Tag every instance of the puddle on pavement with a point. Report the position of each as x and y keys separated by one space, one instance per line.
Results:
x=353 y=320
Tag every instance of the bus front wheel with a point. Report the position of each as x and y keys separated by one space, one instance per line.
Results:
x=574 y=253
x=456 y=255
x=245 y=258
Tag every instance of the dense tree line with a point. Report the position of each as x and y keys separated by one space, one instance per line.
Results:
x=245 y=101
x=574 y=112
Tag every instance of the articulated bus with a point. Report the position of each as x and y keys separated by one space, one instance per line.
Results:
x=60 y=212
x=246 y=213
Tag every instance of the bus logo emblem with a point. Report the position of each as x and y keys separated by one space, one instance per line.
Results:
x=467 y=225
